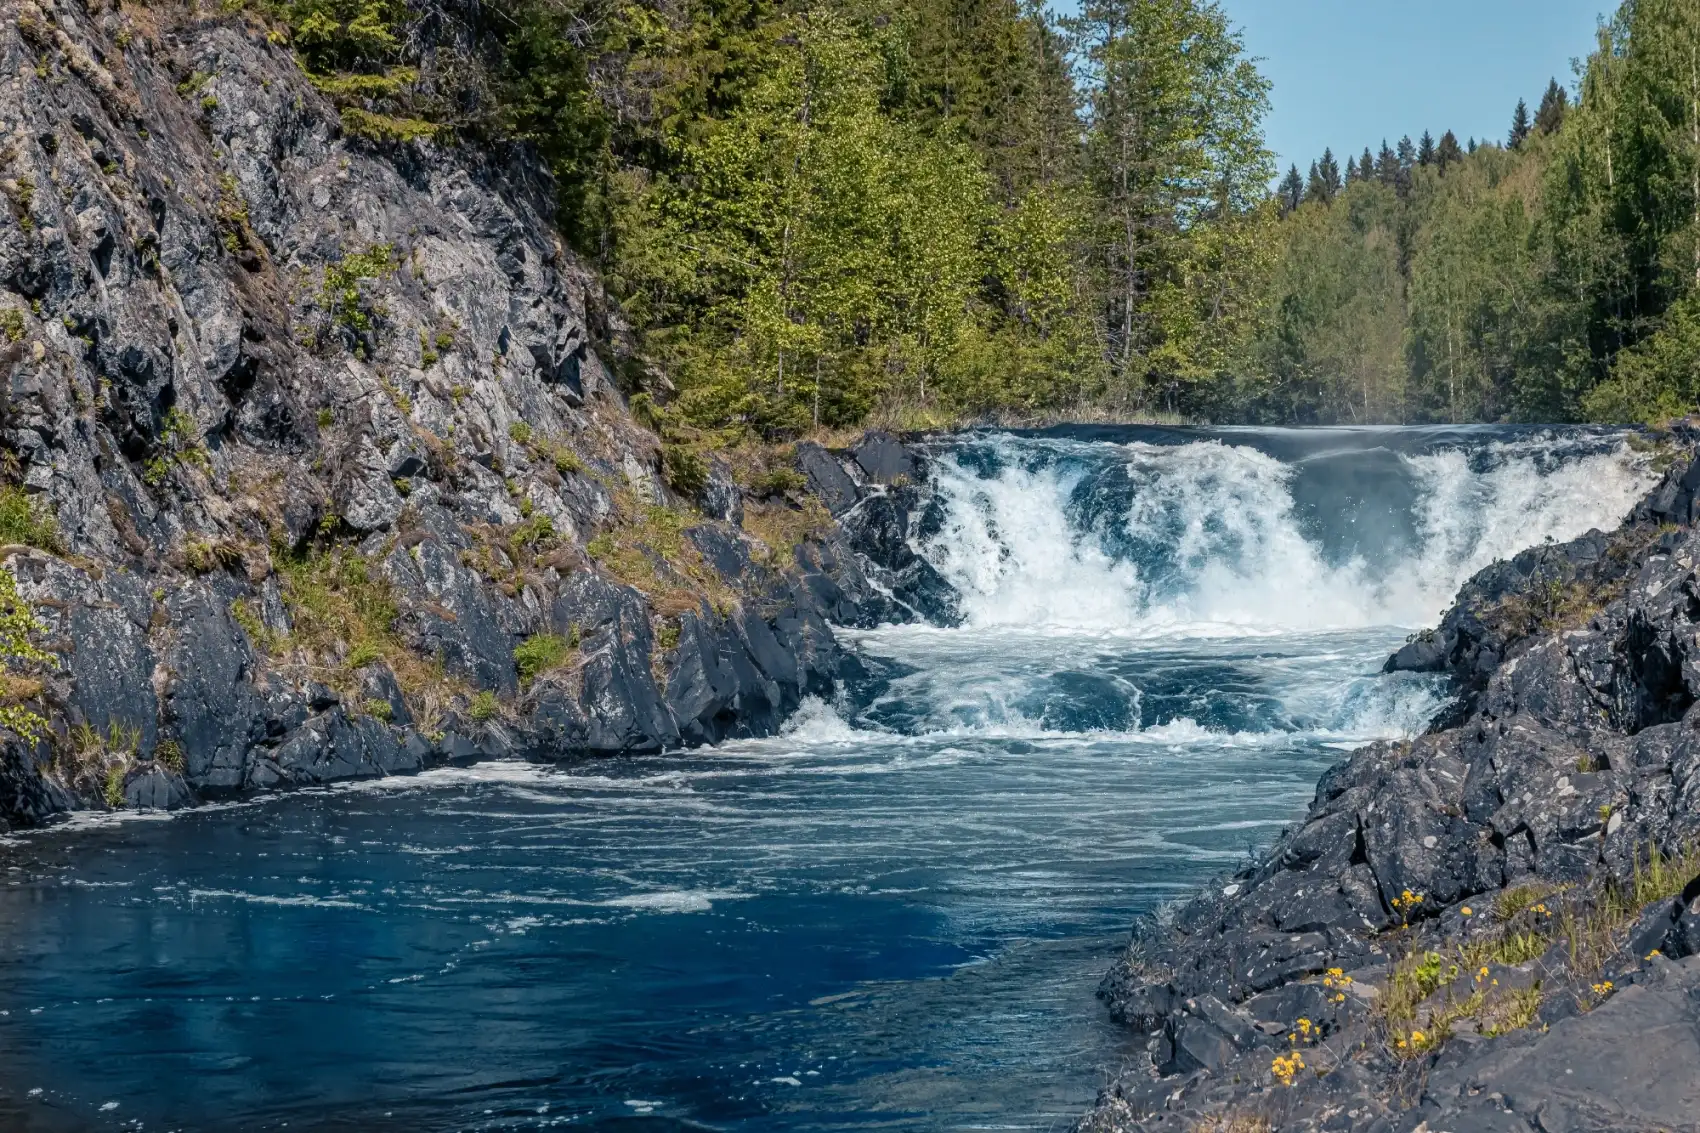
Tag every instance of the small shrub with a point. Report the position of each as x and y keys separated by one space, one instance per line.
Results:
x=179 y=443
x=340 y=292
x=778 y=481
x=379 y=710
x=566 y=460
x=22 y=521
x=520 y=432
x=12 y=324
x=534 y=533
x=326 y=418
x=668 y=636
x=387 y=127
x=685 y=470
x=169 y=755
x=483 y=707
x=19 y=653
x=540 y=653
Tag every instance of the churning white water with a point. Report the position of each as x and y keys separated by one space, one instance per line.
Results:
x=1207 y=539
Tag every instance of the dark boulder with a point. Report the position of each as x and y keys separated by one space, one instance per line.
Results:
x=884 y=459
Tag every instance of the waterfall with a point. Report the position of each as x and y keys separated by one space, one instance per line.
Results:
x=1219 y=535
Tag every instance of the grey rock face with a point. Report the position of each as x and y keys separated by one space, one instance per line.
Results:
x=259 y=356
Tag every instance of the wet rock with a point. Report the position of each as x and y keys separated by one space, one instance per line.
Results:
x=154 y=787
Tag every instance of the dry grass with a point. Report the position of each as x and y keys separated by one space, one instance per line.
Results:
x=648 y=551
x=1240 y=1124
x=1594 y=931
x=343 y=618
x=782 y=527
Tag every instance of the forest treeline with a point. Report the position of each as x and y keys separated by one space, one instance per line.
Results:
x=814 y=211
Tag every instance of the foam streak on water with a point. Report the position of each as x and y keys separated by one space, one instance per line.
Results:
x=890 y=916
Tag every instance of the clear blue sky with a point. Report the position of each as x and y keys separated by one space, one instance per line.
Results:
x=1347 y=72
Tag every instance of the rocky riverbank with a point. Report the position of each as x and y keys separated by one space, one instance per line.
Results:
x=1495 y=926
x=319 y=458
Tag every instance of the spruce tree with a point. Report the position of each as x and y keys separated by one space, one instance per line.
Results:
x=1425 y=149
x=1472 y=147
x=1519 y=124
x=1316 y=189
x=1407 y=163
x=1292 y=191
x=1553 y=105
x=1387 y=166
x=1366 y=167
x=1448 y=152
x=1330 y=170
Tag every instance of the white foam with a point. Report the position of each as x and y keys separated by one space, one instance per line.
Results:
x=676 y=900
x=274 y=899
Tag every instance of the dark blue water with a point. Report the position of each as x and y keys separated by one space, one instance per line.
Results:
x=892 y=917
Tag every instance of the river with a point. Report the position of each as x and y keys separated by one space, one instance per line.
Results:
x=893 y=916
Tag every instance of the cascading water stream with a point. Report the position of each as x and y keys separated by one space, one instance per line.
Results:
x=891 y=916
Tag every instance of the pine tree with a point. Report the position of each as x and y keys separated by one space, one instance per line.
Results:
x=1472 y=147
x=1366 y=166
x=1425 y=150
x=1316 y=189
x=1553 y=105
x=1519 y=124
x=1291 y=194
x=1448 y=153
x=1351 y=172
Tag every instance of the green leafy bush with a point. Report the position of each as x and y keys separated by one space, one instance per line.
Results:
x=540 y=653
x=23 y=521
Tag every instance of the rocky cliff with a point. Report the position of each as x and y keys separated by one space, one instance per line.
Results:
x=1493 y=927
x=324 y=462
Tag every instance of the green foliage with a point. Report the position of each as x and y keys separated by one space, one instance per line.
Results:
x=685 y=469
x=347 y=35
x=20 y=655
x=815 y=213
x=179 y=442
x=483 y=706
x=23 y=521
x=1553 y=279
x=12 y=325
x=540 y=653
x=340 y=293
